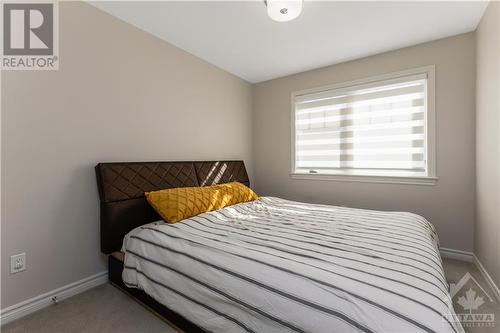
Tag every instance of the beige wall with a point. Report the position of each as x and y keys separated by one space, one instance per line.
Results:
x=449 y=205
x=487 y=235
x=119 y=95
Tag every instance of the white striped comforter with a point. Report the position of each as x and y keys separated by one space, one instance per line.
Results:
x=274 y=265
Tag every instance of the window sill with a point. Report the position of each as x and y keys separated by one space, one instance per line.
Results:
x=367 y=179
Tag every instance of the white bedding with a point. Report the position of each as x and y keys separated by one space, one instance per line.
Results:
x=274 y=265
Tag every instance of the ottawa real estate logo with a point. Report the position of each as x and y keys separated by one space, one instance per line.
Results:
x=472 y=304
x=30 y=33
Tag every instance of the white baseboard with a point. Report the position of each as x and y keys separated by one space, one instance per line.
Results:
x=31 y=305
x=456 y=254
x=488 y=278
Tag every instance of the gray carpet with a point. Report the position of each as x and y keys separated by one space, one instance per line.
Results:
x=104 y=309
x=107 y=309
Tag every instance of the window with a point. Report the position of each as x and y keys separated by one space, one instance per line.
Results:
x=379 y=129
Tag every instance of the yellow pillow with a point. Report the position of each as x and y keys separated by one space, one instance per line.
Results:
x=180 y=203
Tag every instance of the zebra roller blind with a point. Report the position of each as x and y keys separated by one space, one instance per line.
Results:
x=379 y=128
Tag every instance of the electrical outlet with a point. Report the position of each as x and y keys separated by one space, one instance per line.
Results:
x=17 y=263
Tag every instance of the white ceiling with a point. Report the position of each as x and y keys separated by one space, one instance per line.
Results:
x=240 y=38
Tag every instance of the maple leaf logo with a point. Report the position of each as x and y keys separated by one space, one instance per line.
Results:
x=470 y=301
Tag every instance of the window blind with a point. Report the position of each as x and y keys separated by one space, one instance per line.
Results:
x=373 y=128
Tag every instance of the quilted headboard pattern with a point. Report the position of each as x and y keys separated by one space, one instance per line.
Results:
x=122 y=185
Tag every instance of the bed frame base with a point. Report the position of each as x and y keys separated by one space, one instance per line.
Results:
x=115 y=269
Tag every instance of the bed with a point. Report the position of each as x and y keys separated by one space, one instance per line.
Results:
x=270 y=265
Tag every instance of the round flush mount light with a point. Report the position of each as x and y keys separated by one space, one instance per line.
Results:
x=283 y=10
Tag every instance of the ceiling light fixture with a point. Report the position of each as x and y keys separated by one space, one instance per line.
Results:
x=283 y=10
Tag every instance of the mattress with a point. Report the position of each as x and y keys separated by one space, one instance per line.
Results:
x=274 y=265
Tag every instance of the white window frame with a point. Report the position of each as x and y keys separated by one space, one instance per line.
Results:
x=348 y=175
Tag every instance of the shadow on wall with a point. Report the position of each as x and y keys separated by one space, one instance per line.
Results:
x=73 y=215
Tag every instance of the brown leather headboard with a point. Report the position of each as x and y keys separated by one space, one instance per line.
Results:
x=122 y=186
